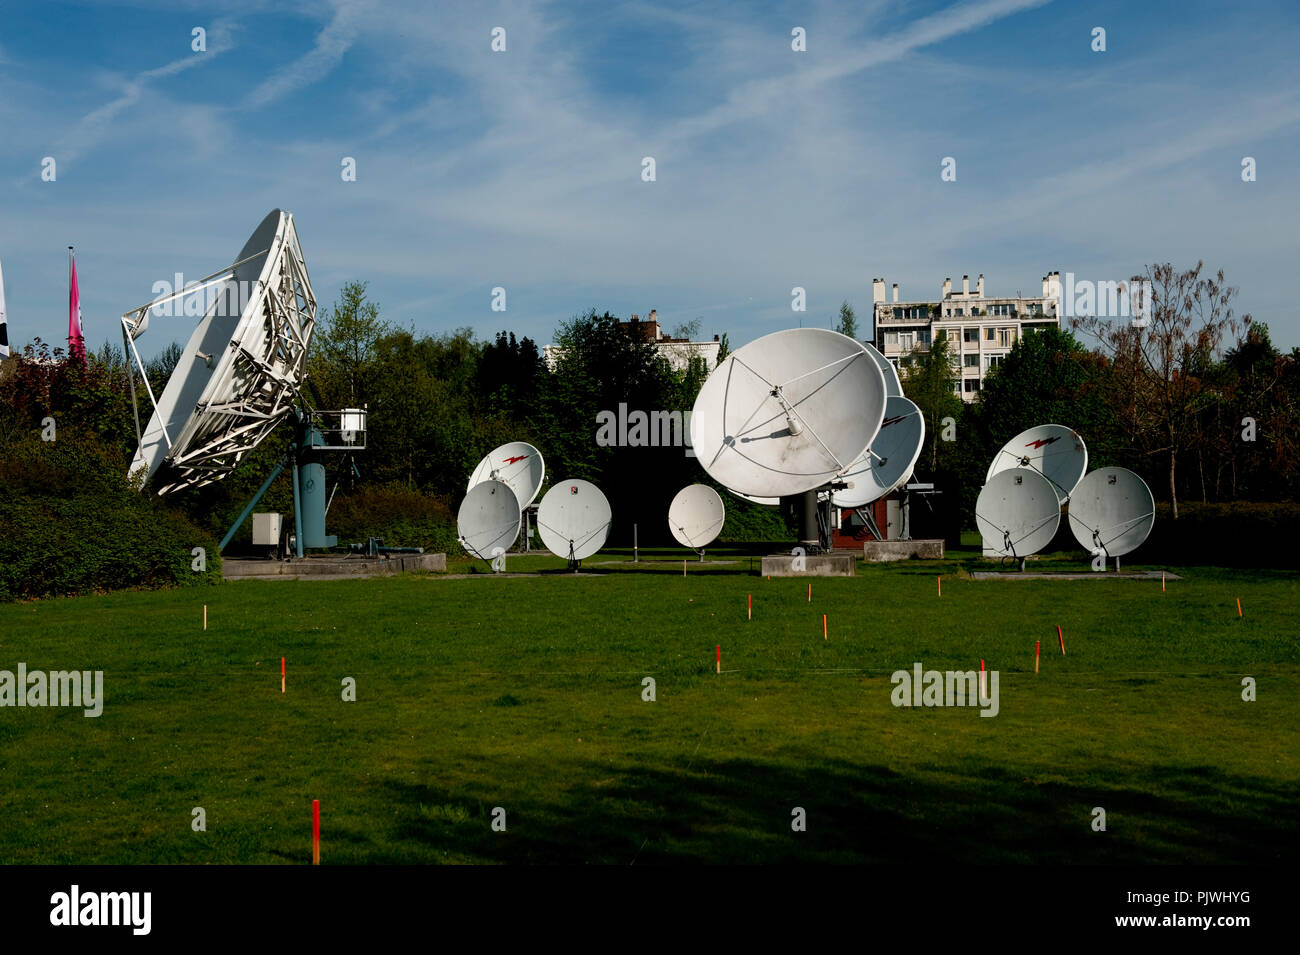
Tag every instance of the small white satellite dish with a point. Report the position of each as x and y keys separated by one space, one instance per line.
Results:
x=1053 y=450
x=518 y=464
x=893 y=386
x=696 y=516
x=890 y=459
x=240 y=372
x=1017 y=513
x=770 y=420
x=573 y=519
x=488 y=520
x=1112 y=509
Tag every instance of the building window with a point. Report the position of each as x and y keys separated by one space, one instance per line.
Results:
x=971 y=361
x=970 y=336
x=959 y=311
x=898 y=313
x=1006 y=336
x=988 y=334
x=971 y=384
x=891 y=339
x=906 y=340
x=923 y=336
x=992 y=361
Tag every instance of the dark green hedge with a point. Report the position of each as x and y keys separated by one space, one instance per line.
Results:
x=1224 y=535
x=401 y=516
x=70 y=524
x=748 y=523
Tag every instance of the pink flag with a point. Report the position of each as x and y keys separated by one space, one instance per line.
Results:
x=76 y=343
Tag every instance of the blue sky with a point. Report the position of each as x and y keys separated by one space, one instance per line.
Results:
x=522 y=169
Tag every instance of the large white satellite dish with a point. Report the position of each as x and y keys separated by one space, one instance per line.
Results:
x=573 y=519
x=772 y=419
x=696 y=516
x=893 y=386
x=1053 y=450
x=240 y=372
x=1017 y=513
x=1112 y=509
x=518 y=464
x=890 y=459
x=488 y=519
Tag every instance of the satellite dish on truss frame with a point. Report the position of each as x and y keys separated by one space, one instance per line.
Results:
x=1017 y=513
x=517 y=464
x=488 y=520
x=1053 y=450
x=1113 y=510
x=770 y=420
x=889 y=461
x=696 y=516
x=574 y=519
x=241 y=370
x=239 y=376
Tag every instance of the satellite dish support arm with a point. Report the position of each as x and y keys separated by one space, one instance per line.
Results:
x=253 y=502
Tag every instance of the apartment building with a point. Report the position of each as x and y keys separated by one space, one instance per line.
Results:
x=980 y=328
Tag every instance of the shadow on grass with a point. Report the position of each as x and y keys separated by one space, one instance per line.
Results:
x=740 y=811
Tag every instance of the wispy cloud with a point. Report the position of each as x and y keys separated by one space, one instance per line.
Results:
x=93 y=127
x=331 y=44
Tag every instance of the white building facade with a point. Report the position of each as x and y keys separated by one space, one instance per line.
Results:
x=980 y=329
x=677 y=351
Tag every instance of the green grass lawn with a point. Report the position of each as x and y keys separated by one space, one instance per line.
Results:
x=526 y=693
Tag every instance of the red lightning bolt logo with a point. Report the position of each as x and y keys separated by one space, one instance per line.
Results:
x=517 y=457
x=1042 y=441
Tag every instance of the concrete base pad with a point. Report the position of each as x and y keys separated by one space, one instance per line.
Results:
x=875 y=552
x=815 y=565
x=308 y=568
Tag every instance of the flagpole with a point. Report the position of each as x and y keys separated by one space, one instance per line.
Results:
x=77 y=344
x=4 y=328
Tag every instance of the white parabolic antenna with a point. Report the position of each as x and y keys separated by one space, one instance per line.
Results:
x=893 y=386
x=240 y=372
x=1053 y=450
x=696 y=516
x=889 y=460
x=573 y=519
x=518 y=464
x=1112 y=509
x=1017 y=513
x=488 y=519
x=787 y=412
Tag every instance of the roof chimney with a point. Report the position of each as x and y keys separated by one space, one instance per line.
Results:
x=877 y=290
x=947 y=288
x=979 y=286
x=965 y=285
x=895 y=291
